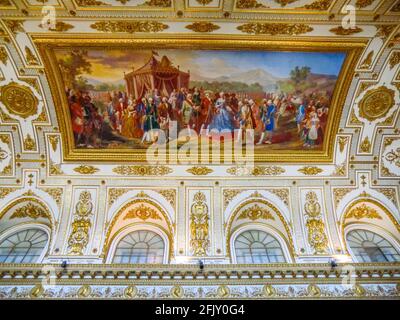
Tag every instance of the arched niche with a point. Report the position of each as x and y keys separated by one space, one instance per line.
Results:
x=261 y=215
x=136 y=213
x=369 y=214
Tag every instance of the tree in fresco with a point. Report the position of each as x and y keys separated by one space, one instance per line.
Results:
x=299 y=74
x=73 y=65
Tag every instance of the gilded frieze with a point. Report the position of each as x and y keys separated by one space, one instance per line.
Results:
x=86 y=169
x=376 y=103
x=274 y=29
x=319 y=5
x=203 y=26
x=59 y=26
x=249 y=4
x=256 y=171
x=129 y=26
x=200 y=170
x=158 y=3
x=86 y=3
x=284 y=3
x=138 y=170
x=340 y=31
x=310 y=170
x=204 y=2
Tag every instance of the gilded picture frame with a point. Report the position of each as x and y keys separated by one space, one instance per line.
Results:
x=352 y=48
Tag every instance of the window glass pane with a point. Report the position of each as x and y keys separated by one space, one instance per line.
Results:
x=368 y=246
x=23 y=247
x=256 y=246
x=140 y=247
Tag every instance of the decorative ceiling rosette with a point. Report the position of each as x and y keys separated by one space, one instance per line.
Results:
x=376 y=103
x=19 y=100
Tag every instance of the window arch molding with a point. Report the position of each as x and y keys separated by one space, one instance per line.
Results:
x=371 y=228
x=140 y=227
x=285 y=232
x=27 y=226
x=259 y=227
x=393 y=223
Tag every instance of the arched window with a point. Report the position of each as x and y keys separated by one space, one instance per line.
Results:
x=368 y=246
x=255 y=246
x=140 y=247
x=23 y=246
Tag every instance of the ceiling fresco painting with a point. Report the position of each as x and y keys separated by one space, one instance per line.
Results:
x=117 y=99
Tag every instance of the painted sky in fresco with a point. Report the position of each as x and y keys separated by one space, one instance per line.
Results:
x=110 y=65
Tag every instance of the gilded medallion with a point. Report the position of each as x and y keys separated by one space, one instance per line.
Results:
x=19 y=100
x=376 y=103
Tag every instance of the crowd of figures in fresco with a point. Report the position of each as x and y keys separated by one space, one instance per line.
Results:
x=275 y=118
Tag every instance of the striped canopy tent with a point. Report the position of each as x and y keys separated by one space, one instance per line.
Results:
x=156 y=74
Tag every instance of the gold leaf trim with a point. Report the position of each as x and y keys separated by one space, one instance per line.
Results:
x=200 y=171
x=255 y=212
x=249 y=4
x=129 y=26
x=275 y=28
x=363 y=212
x=85 y=169
x=202 y=26
x=340 y=31
x=138 y=170
x=142 y=212
x=30 y=211
x=310 y=170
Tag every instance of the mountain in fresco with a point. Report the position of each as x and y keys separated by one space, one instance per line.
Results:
x=260 y=76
